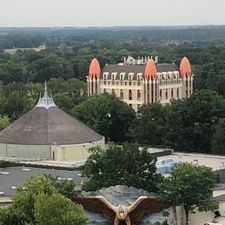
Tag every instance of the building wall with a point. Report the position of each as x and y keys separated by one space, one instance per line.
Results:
x=73 y=152
x=55 y=152
x=139 y=91
x=25 y=151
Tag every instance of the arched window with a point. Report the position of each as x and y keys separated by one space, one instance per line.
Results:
x=160 y=93
x=172 y=93
x=130 y=95
x=166 y=94
x=138 y=79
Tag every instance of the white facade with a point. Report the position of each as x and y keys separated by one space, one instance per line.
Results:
x=136 y=89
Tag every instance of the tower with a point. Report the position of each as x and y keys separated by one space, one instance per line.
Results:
x=187 y=77
x=93 y=79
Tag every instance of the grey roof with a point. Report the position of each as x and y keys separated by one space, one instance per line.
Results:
x=42 y=126
x=46 y=124
x=136 y=69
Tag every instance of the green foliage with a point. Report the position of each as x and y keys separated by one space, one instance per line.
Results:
x=185 y=125
x=57 y=210
x=38 y=196
x=189 y=186
x=218 y=140
x=12 y=216
x=64 y=187
x=149 y=125
x=107 y=115
x=4 y=122
x=124 y=165
x=26 y=194
x=68 y=93
x=17 y=98
x=200 y=113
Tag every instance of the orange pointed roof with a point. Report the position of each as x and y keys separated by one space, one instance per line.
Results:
x=94 y=68
x=185 y=67
x=150 y=69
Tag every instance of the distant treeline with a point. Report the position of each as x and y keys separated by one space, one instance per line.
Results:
x=53 y=37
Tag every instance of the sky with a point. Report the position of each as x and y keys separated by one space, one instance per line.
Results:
x=85 y=13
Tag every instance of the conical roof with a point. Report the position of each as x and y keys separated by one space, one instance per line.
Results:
x=46 y=124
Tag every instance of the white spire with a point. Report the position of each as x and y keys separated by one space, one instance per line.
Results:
x=45 y=101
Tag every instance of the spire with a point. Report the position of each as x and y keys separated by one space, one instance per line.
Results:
x=45 y=101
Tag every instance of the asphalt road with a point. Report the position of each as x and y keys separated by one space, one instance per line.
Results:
x=17 y=175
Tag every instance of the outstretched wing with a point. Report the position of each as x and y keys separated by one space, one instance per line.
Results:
x=145 y=205
x=97 y=204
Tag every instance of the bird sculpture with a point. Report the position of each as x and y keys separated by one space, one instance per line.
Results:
x=121 y=215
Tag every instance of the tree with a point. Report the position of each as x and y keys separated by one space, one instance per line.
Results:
x=149 y=125
x=57 y=210
x=67 y=93
x=124 y=165
x=189 y=186
x=11 y=216
x=200 y=113
x=107 y=115
x=64 y=187
x=4 y=122
x=26 y=194
x=38 y=192
x=218 y=140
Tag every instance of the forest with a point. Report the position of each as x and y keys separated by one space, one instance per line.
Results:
x=195 y=124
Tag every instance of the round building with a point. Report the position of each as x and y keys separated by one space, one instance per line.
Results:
x=47 y=132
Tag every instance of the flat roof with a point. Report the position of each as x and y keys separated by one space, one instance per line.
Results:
x=215 y=162
x=13 y=176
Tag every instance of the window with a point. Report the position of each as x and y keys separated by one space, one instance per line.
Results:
x=138 y=79
x=166 y=94
x=113 y=78
x=178 y=93
x=130 y=95
x=172 y=93
x=113 y=92
x=104 y=78
x=138 y=95
x=138 y=106
x=129 y=77
x=121 y=93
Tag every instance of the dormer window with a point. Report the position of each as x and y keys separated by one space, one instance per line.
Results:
x=113 y=77
x=139 y=76
x=130 y=77
x=105 y=75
